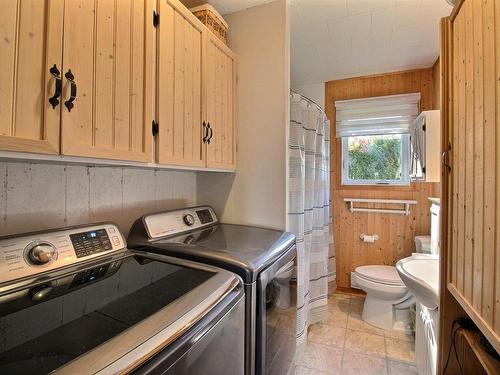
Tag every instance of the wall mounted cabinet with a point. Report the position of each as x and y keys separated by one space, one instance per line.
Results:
x=88 y=92
x=195 y=90
x=106 y=49
x=180 y=88
x=95 y=104
x=220 y=82
x=30 y=66
x=426 y=147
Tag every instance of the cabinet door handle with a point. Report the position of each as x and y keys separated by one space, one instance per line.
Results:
x=71 y=78
x=205 y=132
x=211 y=133
x=54 y=100
x=446 y=162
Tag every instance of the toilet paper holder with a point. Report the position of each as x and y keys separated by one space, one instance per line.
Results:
x=368 y=239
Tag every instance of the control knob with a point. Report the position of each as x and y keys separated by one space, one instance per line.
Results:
x=40 y=253
x=188 y=219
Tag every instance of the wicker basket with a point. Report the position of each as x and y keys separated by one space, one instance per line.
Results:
x=211 y=19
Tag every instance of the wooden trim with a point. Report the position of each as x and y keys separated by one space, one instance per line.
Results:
x=407 y=188
x=376 y=75
x=449 y=310
x=94 y=161
x=473 y=340
x=106 y=153
x=27 y=145
x=345 y=290
x=456 y=9
x=485 y=328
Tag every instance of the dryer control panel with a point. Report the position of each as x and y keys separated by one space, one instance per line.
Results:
x=170 y=223
x=30 y=254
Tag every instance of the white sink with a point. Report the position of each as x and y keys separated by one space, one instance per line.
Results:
x=420 y=273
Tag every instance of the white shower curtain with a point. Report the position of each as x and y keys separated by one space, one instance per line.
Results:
x=309 y=209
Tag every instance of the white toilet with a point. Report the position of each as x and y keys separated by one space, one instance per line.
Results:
x=282 y=286
x=387 y=298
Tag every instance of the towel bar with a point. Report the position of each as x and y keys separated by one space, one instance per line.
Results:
x=404 y=211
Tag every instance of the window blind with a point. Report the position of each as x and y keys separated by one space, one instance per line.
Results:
x=392 y=114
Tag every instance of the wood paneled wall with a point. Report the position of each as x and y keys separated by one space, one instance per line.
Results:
x=396 y=232
x=474 y=118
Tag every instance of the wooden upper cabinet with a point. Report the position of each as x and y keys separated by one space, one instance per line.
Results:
x=473 y=253
x=30 y=40
x=107 y=47
x=220 y=89
x=179 y=86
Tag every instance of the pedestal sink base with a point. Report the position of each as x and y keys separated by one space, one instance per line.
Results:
x=426 y=335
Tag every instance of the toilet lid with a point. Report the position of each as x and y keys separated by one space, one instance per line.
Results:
x=380 y=274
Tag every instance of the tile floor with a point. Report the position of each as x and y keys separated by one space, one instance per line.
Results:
x=346 y=345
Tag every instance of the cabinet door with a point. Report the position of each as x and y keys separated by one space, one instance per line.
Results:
x=220 y=80
x=108 y=49
x=30 y=39
x=179 y=90
x=474 y=122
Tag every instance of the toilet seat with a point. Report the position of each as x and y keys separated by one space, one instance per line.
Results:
x=386 y=275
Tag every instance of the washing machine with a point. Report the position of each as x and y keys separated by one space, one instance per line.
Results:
x=259 y=256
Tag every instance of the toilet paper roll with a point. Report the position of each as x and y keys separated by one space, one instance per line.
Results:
x=368 y=239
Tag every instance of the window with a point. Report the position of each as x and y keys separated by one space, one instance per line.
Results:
x=375 y=159
x=375 y=138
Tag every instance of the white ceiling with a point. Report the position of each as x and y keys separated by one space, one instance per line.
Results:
x=333 y=39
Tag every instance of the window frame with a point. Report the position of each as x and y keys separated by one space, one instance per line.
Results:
x=405 y=165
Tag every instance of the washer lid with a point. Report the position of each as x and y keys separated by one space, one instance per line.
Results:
x=381 y=274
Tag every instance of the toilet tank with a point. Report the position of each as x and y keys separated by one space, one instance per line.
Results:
x=423 y=244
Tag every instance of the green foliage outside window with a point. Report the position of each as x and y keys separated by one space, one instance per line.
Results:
x=375 y=157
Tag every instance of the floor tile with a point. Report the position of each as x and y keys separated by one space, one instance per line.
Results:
x=281 y=345
x=280 y=366
x=337 y=318
x=287 y=325
x=355 y=322
x=402 y=335
x=327 y=335
x=400 y=350
x=366 y=343
x=356 y=306
x=321 y=357
x=340 y=303
x=400 y=368
x=358 y=299
x=361 y=364
x=301 y=370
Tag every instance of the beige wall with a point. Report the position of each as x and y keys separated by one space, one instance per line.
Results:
x=256 y=194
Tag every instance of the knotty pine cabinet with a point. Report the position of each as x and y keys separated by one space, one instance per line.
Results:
x=195 y=92
x=106 y=48
x=84 y=92
x=472 y=67
x=220 y=84
x=31 y=48
x=180 y=91
x=88 y=91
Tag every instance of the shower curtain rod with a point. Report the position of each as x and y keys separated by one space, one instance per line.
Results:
x=309 y=100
